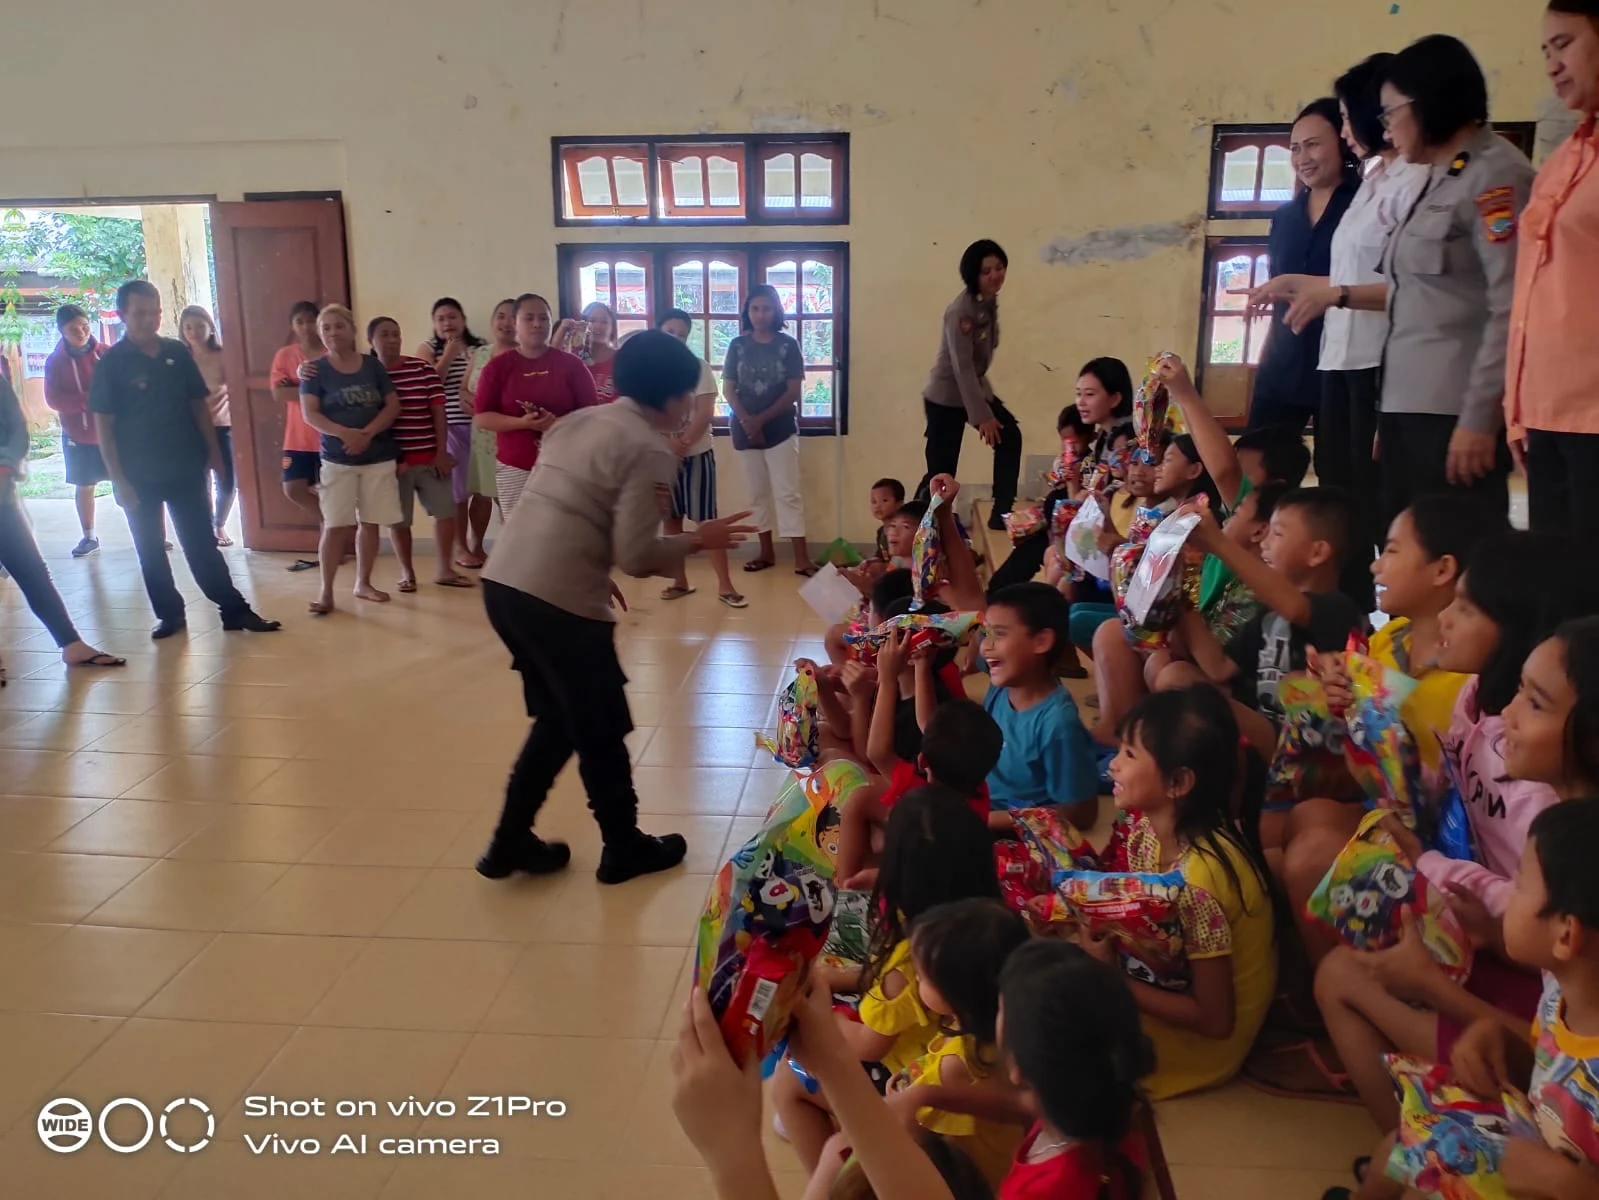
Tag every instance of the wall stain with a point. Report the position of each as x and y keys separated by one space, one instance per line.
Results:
x=560 y=29
x=1123 y=244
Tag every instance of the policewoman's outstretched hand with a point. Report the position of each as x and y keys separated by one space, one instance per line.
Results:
x=723 y=532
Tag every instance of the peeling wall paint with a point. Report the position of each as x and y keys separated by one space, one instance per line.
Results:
x=1123 y=244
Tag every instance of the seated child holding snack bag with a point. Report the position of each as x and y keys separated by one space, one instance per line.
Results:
x=1046 y=758
x=935 y=850
x=1399 y=999
x=1174 y=778
x=1549 y=1064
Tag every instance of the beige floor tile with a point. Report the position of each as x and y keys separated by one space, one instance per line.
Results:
x=20 y=942
x=690 y=791
x=39 y=1050
x=99 y=971
x=462 y=904
x=652 y=1135
x=654 y=911
x=1237 y=1125
x=402 y=984
x=61 y=887
x=255 y=977
x=346 y=901
x=162 y=734
x=230 y=1169
x=203 y=778
x=183 y=894
x=384 y=1066
x=389 y=839
x=596 y=1078
x=147 y=828
x=714 y=710
x=588 y=991
x=736 y=678
x=699 y=746
x=219 y=700
x=28 y=822
x=32 y=1171
x=255 y=737
x=1255 y=1183
x=261 y=833
x=64 y=730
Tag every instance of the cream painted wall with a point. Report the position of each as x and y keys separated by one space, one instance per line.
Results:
x=1073 y=130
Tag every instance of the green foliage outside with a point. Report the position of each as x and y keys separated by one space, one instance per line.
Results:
x=92 y=255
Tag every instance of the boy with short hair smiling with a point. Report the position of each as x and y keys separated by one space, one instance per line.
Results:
x=1047 y=758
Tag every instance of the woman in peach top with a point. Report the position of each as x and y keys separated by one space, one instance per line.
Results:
x=1552 y=384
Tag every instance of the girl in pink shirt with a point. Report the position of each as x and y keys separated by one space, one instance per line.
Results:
x=1517 y=588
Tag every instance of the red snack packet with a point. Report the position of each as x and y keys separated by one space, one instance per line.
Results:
x=763 y=999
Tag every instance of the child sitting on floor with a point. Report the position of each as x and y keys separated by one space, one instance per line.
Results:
x=888 y=497
x=1551 y=925
x=935 y=850
x=1174 y=778
x=1398 y=999
x=959 y=950
x=1046 y=758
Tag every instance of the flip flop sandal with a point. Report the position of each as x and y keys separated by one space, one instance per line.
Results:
x=676 y=593
x=455 y=581
x=733 y=600
x=806 y=572
x=470 y=566
x=101 y=660
x=303 y=564
x=759 y=564
x=407 y=586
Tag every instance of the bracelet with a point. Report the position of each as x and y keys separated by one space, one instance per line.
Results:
x=1343 y=297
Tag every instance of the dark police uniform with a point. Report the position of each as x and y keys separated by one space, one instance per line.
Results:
x=958 y=394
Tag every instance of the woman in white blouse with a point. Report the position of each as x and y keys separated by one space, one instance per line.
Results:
x=1352 y=341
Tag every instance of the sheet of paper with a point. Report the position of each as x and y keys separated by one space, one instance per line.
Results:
x=829 y=594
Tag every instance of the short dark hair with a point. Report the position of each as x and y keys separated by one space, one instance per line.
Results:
x=653 y=367
x=1360 y=91
x=890 y=588
x=1283 y=453
x=1444 y=83
x=1326 y=107
x=1528 y=584
x=972 y=262
x=674 y=314
x=960 y=947
x=1576 y=8
x=1071 y=417
x=1581 y=640
x=1073 y=1031
x=136 y=287
x=303 y=306
x=1565 y=838
x=770 y=293
x=1115 y=378
x=1040 y=609
x=892 y=486
x=1330 y=514
x=528 y=297
x=372 y=326
x=1450 y=525
x=1267 y=496
x=913 y=509
x=961 y=744
x=67 y=314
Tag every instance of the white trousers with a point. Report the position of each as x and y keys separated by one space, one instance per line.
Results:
x=774 y=482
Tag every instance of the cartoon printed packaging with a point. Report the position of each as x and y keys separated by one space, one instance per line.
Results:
x=1055 y=845
x=1367 y=890
x=798 y=723
x=935 y=630
x=1024 y=521
x=927 y=556
x=1140 y=913
x=770 y=910
x=1449 y=1142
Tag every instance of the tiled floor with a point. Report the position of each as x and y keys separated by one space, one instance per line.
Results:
x=242 y=866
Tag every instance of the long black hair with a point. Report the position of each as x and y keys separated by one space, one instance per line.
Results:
x=1359 y=89
x=1116 y=379
x=960 y=948
x=1073 y=1033
x=1193 y=731
x=1581 y=641
x=935 y=849
x=471 y=339
x=1204 y=485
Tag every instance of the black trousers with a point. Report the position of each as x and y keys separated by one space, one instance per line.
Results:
x=1346 y=437
x=227 y=484
x=1563 y=483
x=187 y=498
x=573 y=686
x=1413 y=453
x=1027 y=556
x=19 y=555
x=946 y=429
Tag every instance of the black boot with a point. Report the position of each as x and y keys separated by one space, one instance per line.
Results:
x=640 y=854
x=530 y=854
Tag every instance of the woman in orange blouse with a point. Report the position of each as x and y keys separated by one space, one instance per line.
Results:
x=1552 y=384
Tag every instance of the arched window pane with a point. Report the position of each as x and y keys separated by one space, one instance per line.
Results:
x=782 y=276
x=1277 y=178
x=723 y=174
x=594 y=283
x=818 y=294
x=630 y=189
x=688 y=186
x=1232 y=275
x=780 y=181
x=1238 y=170
x=816 y=181
x=688 y=286
x=725 y=296
x=632 y=292
x=594 y=182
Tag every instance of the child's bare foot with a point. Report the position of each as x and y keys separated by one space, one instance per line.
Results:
x=365 y=591
x=453 y=579
x=321 y=606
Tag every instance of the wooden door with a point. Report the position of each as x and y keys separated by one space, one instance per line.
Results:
x=269 y=254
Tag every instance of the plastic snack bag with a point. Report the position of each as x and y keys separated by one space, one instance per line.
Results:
x=1061 y=472
x=1150 y=403
x=1449 y=1142
x=1021 y=523
x=1444 y=824
x=937 y=630
x=1140 y=913
x=798 y=723
x=840 y=552
x=1380 y=751
x=1160 y=571
x=1082 y=538
x=1309 y=760
x=770 y=910
x=1367 y=890
x=927 y=555
x=1054 y=844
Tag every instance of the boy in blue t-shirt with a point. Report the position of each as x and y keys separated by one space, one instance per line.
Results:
x=1048 y=757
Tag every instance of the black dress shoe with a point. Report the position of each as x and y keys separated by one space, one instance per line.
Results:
x=997 y=521
x=640 y=855
x=534 y=856
x=251 y=622
x=168 y=628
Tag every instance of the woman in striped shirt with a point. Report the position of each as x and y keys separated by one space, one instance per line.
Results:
x=449 y=351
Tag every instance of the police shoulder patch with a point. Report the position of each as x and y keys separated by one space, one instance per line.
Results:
x=1497 y=207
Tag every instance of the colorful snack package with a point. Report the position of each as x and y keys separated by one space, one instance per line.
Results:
x=1082 y=538
x=1064 y=468
x=1380 y=751
x=1309 y=760
x=1056 y=845
x=770 y=910
x=1160 y=570
x=1367 y=890
x=1021 y=523
x=938 y=630
x=1015 y=863
x=798 y=723
x=1449 y=1141
x=1140 y=912
x=1150 y=403
x=927 y=555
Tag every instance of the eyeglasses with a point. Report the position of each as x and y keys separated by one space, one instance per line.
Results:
x=1386 y=116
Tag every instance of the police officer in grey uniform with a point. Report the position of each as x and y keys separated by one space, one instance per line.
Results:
x=1451 y=268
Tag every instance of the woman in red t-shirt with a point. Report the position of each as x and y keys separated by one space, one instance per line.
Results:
x=522 y=394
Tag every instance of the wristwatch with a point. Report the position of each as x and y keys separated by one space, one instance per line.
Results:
x=1343 y=297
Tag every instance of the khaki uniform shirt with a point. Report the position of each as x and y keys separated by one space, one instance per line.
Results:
x=959 y=378
x=595 y=501
x=1451 y=270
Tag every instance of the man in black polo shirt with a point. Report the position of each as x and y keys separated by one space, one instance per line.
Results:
x=148 y=400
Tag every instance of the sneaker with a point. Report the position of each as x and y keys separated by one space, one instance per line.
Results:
x=532 y=857
x=88 y=544
x=642 y=854
x=251 y=622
